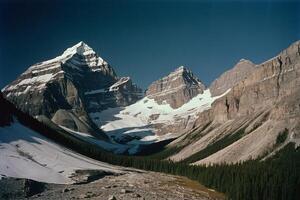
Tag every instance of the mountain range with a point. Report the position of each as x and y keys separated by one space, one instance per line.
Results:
x=81 y=93
x=251 y=111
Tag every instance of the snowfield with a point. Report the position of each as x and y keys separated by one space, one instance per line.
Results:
x=26 y=154
x=137 y=120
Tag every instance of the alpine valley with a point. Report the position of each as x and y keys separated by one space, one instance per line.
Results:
x=71 y=127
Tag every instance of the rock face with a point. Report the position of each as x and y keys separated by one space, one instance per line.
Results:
x=69 y=86
x=233 y=76
x=175 y=89
x=251 y=116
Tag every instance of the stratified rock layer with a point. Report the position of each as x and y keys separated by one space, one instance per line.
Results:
x=175 y=89
x=233 y=76
x=248 y=119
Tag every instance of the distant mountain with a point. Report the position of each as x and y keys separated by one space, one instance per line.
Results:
x=65 y=89
x=240 y=116
x=169 y=109
x=175 y=89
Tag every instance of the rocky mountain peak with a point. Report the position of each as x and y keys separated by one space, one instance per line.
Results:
x=180 y=69
x=67 y=88
x=177 y=88
x=80 y=48
x=243 y=63
x=228 y=79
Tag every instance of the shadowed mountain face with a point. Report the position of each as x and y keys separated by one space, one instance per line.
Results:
x=66 y=88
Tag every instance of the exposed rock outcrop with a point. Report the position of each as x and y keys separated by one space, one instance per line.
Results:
x=231 y=77
x=175 y=89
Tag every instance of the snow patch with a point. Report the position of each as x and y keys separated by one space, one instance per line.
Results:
x=137 y=119
x=120 y=82
x=26 y=154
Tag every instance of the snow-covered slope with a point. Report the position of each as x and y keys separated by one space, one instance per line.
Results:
x=26 y=154
x=139 y=123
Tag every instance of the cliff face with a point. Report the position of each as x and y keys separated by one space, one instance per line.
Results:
x=252 y=115
x=175 y=89
x=231 y=77
x=270 y=82
x=69 y=86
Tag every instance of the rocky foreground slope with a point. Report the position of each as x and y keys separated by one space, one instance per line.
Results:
x=138 y=185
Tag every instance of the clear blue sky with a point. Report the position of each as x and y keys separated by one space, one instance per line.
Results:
x=147 y=39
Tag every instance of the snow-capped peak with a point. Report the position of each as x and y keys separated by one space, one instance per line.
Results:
x=181 y=68
x=178 y=70
x=80 y=48
x=183 y=71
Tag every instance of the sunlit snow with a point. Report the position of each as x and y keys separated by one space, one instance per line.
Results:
x=137 y=119
x=26 y=154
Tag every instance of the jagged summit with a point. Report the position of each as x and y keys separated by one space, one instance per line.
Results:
x=80 y=48
x=180 y=68
x=87 y=57
x=176 y=88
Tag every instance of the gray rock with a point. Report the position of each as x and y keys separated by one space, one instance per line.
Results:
x=231 y=77
x=176 y=89
x=112 y=197
x=124 y=191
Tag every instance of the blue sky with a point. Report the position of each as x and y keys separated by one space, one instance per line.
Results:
x=147 y=39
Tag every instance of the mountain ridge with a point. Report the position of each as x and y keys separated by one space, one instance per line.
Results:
x=255 y=112
x=176 y=105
